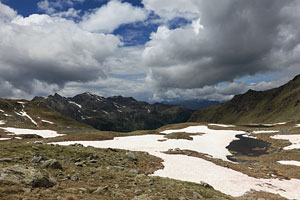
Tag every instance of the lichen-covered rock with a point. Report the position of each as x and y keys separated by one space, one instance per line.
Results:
x=52 y=163
x=27 y=175
x=38 y=158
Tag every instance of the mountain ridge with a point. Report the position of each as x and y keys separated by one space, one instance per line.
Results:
x=274 y=105
x=117 y=113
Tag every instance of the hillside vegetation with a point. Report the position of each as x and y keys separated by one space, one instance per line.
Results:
x=280 y=104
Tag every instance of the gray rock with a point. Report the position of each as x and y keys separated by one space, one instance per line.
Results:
x=138 y=192
x=131 y=156
x=133 y=171
x=76 y=145
x=183 y=198
x=75 y=177
x=6 y=160
x=83 y=190
x=80 y=164
x=101 y=190
x=93 y=161
x=27 y=175
x=142 y=197
x=26 y=190
x=52 y=163
x=196 y=195
x=38 y=158
x=150 y=181
x=93 y=157
x=71 y=190
x=206 y=185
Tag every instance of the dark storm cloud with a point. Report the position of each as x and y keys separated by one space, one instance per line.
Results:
x=239 y=38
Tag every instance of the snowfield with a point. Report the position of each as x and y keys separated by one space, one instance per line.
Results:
x=289 y=162
x=222 y=125
x=42 y=133
x=186 y=168
x=294 y=139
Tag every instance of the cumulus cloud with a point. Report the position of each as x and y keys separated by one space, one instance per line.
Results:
x=42 y=51
x=51 y=7
x=178 y=8
x=109 y=17
x=6 y=13
x=237 y=38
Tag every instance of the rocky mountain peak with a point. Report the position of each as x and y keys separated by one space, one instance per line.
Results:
x=116 y=113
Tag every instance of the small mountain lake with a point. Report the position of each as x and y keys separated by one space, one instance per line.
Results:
x=248 y=146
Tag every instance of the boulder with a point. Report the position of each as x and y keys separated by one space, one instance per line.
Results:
x=6 y=160
x=131 y=156
x=38 y=158
x=27 y=175
x=52 y=163
x=142 y=197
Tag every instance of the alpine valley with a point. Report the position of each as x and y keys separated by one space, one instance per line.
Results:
x=91 y=147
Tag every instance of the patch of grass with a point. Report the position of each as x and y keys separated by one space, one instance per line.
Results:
x=180 y=135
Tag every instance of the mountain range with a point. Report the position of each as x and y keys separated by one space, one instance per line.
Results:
x=117 y=113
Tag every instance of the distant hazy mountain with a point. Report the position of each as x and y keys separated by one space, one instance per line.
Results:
x=194 y=104
x=116 y=113
x=276 y=105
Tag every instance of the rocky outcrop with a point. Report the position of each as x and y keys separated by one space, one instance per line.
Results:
x=27 y=175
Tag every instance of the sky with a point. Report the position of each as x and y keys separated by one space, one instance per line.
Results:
x=152 y=50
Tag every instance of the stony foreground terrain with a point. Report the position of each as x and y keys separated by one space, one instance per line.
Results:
x=37 y=171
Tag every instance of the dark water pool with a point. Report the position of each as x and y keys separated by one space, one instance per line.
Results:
x=248 y=146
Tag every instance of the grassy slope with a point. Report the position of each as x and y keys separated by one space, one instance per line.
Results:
x=275 y=105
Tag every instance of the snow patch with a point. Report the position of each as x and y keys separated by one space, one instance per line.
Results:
x=280 y=123
x=294 y=139
x=265 y=131
x=2 y=111
x=76 y=104
x=2 y=122
x=24 y=114
x=289 y=162
x=46 y=121
x=222 y=125
x=249 y=136
x=3 y=139
x=42 y=133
